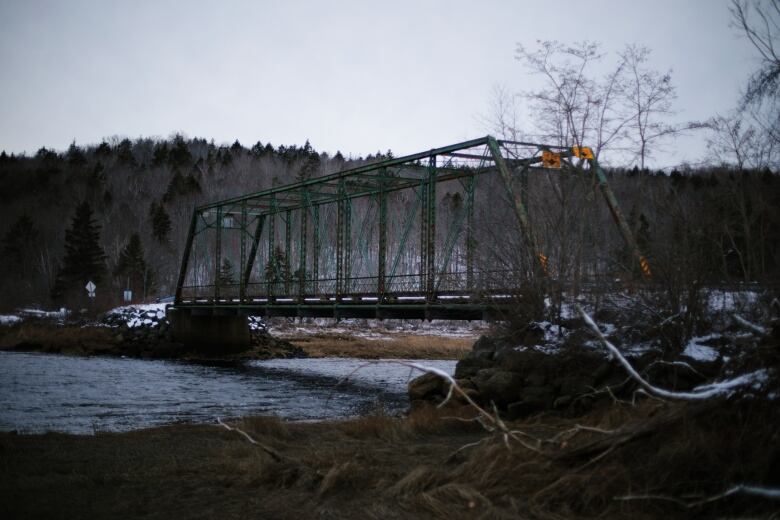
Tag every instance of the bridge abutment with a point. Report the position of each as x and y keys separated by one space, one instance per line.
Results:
x=209 y=331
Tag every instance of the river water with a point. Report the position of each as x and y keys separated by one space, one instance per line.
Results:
x=41 y=392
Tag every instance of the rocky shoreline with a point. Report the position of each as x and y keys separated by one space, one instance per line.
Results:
x=134 y=331
x=569 y=373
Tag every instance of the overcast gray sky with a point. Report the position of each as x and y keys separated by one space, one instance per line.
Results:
x=356 y=76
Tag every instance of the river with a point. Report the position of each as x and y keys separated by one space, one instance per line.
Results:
x=42 y=392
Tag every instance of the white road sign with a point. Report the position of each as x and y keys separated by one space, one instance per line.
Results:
x=90 y=287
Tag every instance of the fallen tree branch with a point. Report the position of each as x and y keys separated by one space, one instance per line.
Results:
x=490 y=422
x=742 y=489
x=272 y=452
x=631 y=433
x=682 y=364
x=758 y=329
x=698 y=394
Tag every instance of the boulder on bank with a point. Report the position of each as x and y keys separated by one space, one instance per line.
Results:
x=562 y=370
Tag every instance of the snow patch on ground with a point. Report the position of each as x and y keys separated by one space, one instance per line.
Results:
x=731 y=301
x=544 y=349
x=696 y=349
x=9 y=319
x=137 y=309
x=377 y=330
x=38 y=313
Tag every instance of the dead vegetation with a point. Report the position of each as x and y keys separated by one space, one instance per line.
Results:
x=383 y=467
x=406 y=346
x=52 y=338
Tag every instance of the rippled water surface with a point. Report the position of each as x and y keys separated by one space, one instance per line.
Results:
x=40 y=392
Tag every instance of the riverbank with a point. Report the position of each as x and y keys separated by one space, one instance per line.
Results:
x=429 y=465
x=375 y=339
x=98 y=340
x=143 y=332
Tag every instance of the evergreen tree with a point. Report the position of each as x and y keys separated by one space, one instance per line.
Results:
x=161 y=222
x=131 y=268
x=257 y=150
x=278 y=268
x=75 y=156
x=160 y=155
x=227 y=275
x=124 y=153
x=103 y=150
x=180 y=155
x=17 y=246
x=84 y=258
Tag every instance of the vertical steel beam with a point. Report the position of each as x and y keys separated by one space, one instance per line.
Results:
x=430 y=255
x=186 y=257
x=253 y=251
x=302 y=252
x=340 y=241
x=287 y=252
x=347 y=284
x=423 y=234
x=241 y=273
x=271 y=271
x=315 y=268
x=382 y=253
x=218 y=253
x=470 y=241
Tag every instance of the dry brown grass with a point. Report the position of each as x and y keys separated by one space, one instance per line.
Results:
x=384 y=467
x=406 y=346
x=62 y=339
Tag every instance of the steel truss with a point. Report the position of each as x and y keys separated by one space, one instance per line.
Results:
x=370 y=241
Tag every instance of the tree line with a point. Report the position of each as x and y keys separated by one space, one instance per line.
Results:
x=117 y=212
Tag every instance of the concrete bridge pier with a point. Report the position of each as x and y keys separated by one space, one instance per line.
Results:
x=210 y=330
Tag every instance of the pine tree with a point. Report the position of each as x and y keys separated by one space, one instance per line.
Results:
x=278 y=268
x=160 y=155
x=103 y=150
x=179 y=155
x=84 y=258
x=131 y=267
x=76 y=156
x=227 y=275
x=161 y=222
x=124 y=153
x=17 y=246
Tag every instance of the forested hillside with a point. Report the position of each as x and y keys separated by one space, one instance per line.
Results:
x=134 y=199
x=145 y=187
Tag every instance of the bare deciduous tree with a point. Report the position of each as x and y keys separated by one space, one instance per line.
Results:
x=648 y=95
x=573 y=108
x=759 y=21
x=624 y=110
x=734 y=139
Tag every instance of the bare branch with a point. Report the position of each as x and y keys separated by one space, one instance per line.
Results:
x=761 y=331
x=742 y=489
x=702 y=393
x=272 y=452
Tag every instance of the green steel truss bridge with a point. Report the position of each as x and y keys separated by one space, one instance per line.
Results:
x=400 y=238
